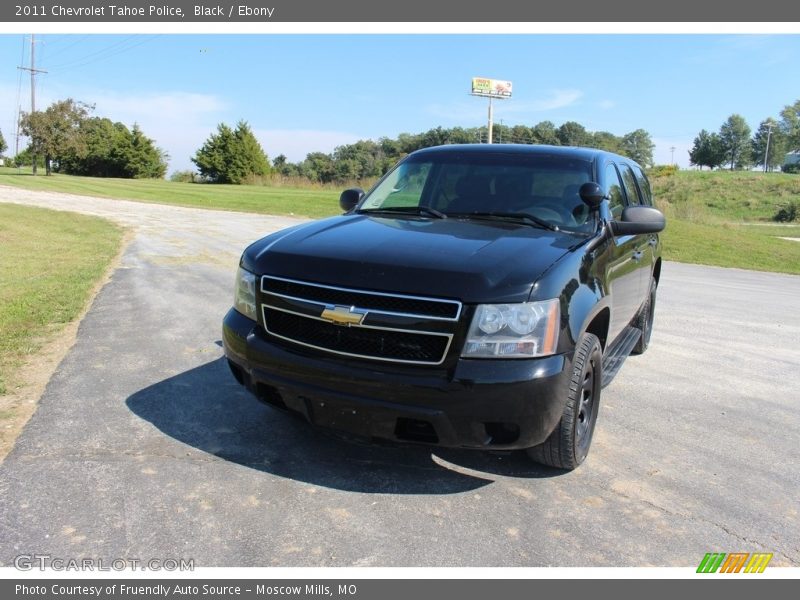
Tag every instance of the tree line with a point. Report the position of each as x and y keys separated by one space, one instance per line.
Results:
x=228 y=154
x=65 y=138
x=368 y=159
x=737 y=147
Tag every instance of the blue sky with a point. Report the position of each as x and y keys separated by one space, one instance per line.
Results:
x=303 y=93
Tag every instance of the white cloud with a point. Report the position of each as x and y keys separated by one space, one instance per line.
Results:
x=606 y=104
x=157 y=106
x=554 y=99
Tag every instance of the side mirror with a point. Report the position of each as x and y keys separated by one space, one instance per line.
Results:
x=639 y=219
x=349 y=199
x=592 y=194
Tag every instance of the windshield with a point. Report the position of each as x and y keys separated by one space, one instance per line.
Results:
x=485 y=185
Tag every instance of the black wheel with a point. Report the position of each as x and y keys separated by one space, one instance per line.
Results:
x=644 y=320
x=568 y=445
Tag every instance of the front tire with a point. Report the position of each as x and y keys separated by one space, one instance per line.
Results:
x=568 y=444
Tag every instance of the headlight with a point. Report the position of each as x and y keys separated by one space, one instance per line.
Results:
x=244 y=296
x=521 y=330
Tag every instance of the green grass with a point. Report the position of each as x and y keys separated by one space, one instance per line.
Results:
x=723 y=218
x=49 y=262
x=729 y=245
x=305 y=202
x=702 y=196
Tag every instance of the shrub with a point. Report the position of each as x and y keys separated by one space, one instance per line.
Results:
x=184 y=176
x=663 y=170
x=786 y=213
x=791 y=168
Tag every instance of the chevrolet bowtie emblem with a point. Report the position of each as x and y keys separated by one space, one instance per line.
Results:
x=343 y=315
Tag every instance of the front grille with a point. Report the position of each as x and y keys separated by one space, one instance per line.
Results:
x=397 y=328
x=365 y=342
x=376 y=301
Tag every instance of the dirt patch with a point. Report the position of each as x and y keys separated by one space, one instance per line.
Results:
x=20 y=403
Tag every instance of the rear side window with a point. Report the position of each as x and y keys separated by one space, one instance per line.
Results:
x=631 y=191
x=614 y=190
x=644 y=186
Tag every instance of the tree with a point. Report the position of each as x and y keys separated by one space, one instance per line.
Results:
x=361 y=160
x=573 y=134
x=707 y=150
x=520 y=134
x=110 y=149
x=735 y=137
x=318 y=166
x=25 y=158
x=140 y=157
x=231 y=155
x=54 y=132
x=545 y=132
x=638 y=146
x=605 y=140
x=92 y=157
x=3 y=145
x=790 y=126
x=768 y=141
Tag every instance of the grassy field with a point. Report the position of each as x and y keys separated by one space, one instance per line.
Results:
x=49 y=262
x=307 y=202
x=706 y=196
x=723 y=218
x=753 y=247
x=716 y=218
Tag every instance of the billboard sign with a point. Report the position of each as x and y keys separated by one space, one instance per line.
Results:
x=493 y=88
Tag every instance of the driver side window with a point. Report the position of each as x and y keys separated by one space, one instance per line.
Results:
x=614 y=190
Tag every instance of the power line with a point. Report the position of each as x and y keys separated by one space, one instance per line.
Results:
x=77 y=41
x=87 y=58
x=119 y=51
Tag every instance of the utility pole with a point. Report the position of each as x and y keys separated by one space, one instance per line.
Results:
x=766 y=152
x=672 y=155
x=16 y=146
x=33 y=70
x=491 y=114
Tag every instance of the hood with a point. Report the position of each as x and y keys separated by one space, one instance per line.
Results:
x=469 y=260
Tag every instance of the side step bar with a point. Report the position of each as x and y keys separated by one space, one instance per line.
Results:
x=614 y=357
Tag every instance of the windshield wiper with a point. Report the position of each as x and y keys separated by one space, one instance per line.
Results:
x=521 y=216
x=404 y=210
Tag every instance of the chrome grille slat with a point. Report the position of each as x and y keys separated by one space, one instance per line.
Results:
x=368 y=341
x=430 y=308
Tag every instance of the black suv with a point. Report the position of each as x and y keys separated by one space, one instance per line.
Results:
x=478 y=296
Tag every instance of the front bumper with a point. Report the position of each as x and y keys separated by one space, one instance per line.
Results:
x=491 y=404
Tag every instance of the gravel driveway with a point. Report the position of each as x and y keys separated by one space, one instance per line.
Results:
x=143 y=446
